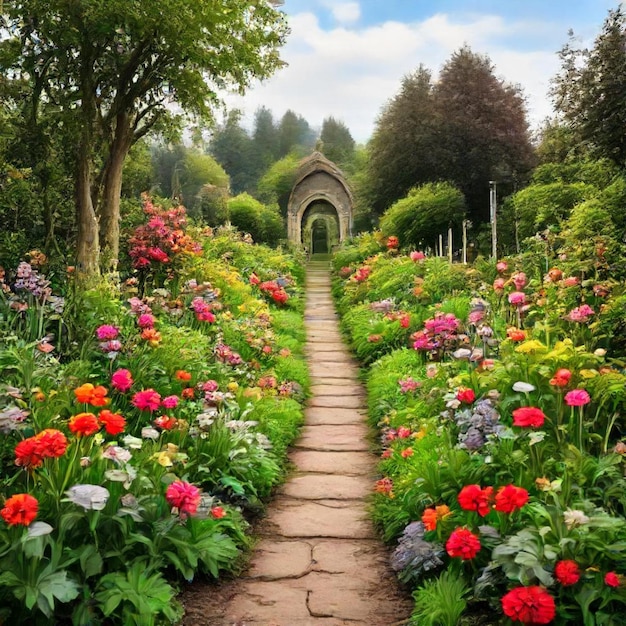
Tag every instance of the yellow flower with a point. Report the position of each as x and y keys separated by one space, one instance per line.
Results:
x=232 y=386
x=588 y=373
x=530 y=347
x=163 y=458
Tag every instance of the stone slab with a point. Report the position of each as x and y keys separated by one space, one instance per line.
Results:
x=320 y=487
x=319 y=415
x=321 y=518
x=338 y=402
x=334 y=462
x=334 y=370
x=337 y=390
x=316 y=347
x=335 y=357
x=323 y=380
x=347 y=437
x=275 y=560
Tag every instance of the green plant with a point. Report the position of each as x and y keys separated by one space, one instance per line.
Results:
x=440 y=602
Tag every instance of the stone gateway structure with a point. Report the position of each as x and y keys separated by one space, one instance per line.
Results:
x=319 y=214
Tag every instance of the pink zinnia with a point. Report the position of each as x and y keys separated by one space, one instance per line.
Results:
x=146 y=321
x=170 y=402
x=580 y=314
x=498 y=284
x=184 y=496
x=518 y=298
x=106 y=332
x=577 y=397
x=502 y=266
x=416 y=255
x=210 y=385
x=122 y=380
x=147 y=400
x=519 y=280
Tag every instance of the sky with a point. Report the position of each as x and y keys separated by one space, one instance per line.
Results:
x=347 y=58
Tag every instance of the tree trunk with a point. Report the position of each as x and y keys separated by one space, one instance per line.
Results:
x=87 y=244
x=111 y=191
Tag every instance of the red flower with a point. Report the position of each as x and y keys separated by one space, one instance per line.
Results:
x=218 y=512
x=463 y=543
x=473 y=498
x=529 y=605
x=188 y=393
x=113 y=423
x=20 y=509
x=392 y=242
x=510 y=498
x=611 y=579
x=146 y=320
x=567 y=572
x=165 y=422
x=514 y=334
x=280 y=296
x=528 y=417
x=28 y=454
x=184 y=496
x=84 y=424
x=561 y=378
x=465 y=395
x=147 y=400
x=51 y=443
x=122 y=380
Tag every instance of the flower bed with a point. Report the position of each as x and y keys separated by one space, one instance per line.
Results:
x=500 y=407
x=142 y=428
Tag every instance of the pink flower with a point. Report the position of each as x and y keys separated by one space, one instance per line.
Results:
x=498 y=284
x=519 y=280
x=122 y=380
x=210 y=385
x=184 y=496
x=404 y=432
x=580 y=314
x=577 y=397
x=218 y=512
x=107 y=332
x=146 y=321
x=416 y=255
x=518 y=298
x=147 y=400
x=170 y=402
x=571 y=281
x=502 y=266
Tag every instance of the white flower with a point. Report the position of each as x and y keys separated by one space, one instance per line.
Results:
x=118 y=454
x=90 y=497
x=132 y=442
x=150 y=433
x=37 y=529
x=462 y=353
x=523 y=387
x=574 y=517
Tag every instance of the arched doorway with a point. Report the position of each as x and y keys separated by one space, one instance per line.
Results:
x=320 y=201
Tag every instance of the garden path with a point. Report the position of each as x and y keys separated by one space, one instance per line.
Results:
x=318 y=562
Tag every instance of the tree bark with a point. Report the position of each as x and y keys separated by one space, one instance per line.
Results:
x=87 y=244
x=111 y=191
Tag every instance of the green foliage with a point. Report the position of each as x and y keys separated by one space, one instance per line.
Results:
x=250 y=216
x=424 y=214
x=277 y=182
x=440 y=602
x=337 y=142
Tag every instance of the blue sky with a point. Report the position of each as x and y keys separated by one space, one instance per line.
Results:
x=346 y=58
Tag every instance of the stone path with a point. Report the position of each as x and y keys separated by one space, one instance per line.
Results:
x=318 y=562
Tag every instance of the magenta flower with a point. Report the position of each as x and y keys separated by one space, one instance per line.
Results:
x=106 y=332
x=577 y=397
x=210 y=385
x=147 y=400
x=122 y=380
x=146 y=321
x=518 y=298
x=184 y=496
x=416 y=255
x=170 y=402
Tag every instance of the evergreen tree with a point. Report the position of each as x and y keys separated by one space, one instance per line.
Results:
x=337 y=142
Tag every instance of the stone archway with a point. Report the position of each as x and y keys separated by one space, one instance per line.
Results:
x=320 y=192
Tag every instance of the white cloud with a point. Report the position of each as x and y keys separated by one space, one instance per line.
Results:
x=350 y=73
x=343 y=12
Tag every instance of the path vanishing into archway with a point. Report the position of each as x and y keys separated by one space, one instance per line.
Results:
x=318 y=562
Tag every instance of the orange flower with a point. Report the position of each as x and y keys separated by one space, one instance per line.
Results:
x=113 y=423
x=84 y=424
x=431 y=516
x=152 y=336
x=515 y=334
x=182 y=375
x=88 y=394
x=20 y=509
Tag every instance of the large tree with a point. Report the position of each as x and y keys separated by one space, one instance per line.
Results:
x=337 y=142
x=590 y=91
x=113 y=69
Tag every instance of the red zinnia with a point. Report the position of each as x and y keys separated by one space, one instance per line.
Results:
x=611 y=579
x=28 y=454
x=113 y=423
x=529 y=605
x=20 y=509
x=510 y=498
x=465 y=395
x=165 y=422
x=528 y=417
x=561 y=378
x=473 y=498
x=147 y=400
x=184 y=496
x=218 y=512
x=463 y=543
x=567 y=572
x=84 y=424
x=51 y=443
